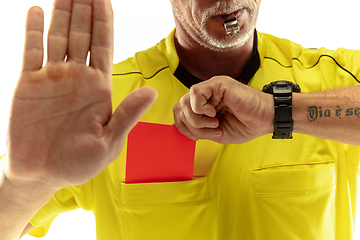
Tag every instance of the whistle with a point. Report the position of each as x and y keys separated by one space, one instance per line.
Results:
x=231 y=26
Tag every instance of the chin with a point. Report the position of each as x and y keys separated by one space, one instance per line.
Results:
x=228 y=43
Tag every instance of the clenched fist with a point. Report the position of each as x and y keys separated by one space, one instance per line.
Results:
x=225 y=111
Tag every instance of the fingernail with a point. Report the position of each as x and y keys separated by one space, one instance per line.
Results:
x=212 y=125
x=192 y=137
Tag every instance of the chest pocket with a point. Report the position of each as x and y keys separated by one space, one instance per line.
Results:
x=167 y=210
x=296 y=200
x=301 y=178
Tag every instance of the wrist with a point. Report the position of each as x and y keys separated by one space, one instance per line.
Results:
x=297 y=98
x=17 y=207
x=23 y=190
x=270 y=114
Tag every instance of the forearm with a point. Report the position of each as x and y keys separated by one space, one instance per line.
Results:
x=17 y=207
x=332 y=114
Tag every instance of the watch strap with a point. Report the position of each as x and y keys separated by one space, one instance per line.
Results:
x=283 y=122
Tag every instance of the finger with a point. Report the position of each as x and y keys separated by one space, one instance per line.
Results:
x=59 y=30
x=201 y=133
x=199 y=99
x=33 y=48
x=125 y=117
x=80 y=30
x=102 y=43
x=180 y=125
x=196 y=120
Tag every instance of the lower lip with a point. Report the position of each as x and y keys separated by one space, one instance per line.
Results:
x=235 y=14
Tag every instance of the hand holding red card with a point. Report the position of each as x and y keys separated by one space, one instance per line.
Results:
x=158 y=153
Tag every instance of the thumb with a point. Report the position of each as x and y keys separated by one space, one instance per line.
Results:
x=126 y=116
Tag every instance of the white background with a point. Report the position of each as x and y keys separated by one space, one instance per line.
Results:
x=139 y=24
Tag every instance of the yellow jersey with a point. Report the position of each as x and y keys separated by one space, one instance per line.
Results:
x=266 y=189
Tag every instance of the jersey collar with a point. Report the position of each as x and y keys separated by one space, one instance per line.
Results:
x=186 y=78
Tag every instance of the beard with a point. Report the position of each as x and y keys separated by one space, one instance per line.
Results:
x=220 y=8
x=196 y=26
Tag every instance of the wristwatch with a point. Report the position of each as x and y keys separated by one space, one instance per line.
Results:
x=282 y=92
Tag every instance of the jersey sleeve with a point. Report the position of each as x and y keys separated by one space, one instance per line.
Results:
x=347 y=62
x=64 y=200
x=323 y=69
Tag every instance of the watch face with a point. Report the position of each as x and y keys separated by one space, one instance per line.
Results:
x=269 y=88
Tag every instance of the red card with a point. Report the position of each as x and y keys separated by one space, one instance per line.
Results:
x=158 y=153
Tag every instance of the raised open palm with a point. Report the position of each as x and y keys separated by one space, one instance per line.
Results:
x=62 y=129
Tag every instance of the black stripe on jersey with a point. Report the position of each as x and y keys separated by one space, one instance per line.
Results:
x=316 y=64
x=128 y=73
